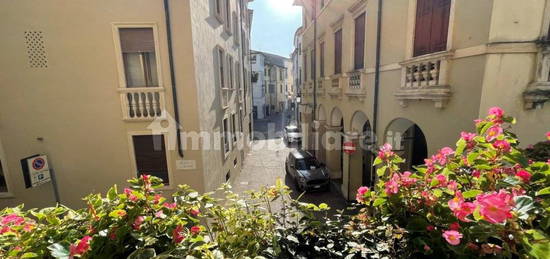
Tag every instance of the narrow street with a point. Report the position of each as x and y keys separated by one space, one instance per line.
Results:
x=266 y=163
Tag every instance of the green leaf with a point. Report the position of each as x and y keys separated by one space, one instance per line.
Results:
x=293 y=239
x=323 y=206
x=417 y=224
x=438 y=193
x=460 y=146
x=142 y=254
x=112 y=193
x=381 y=171
x=537 y=247
x=59 y=251
x=524 y=204
x=471 y=193
x=378 y=202
x=29 y=255
x=544 y=191
x=377 y=161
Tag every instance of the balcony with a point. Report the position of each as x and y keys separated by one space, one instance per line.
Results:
x=425 y=78
x=142 y=104
x=538 y=92
x=356 y=85
x=335 y=89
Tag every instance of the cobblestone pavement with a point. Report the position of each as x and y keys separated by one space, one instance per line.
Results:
x=266 y=163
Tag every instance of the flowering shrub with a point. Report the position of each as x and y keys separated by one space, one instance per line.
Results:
x=140 y=223
x=483 y=198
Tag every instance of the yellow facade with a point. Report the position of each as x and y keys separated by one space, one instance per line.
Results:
x=493 y=57
x=63 y=93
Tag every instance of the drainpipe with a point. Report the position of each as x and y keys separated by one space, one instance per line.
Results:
x=314 y=70
x=243 y=65
x=376 y=80
x=173 y=76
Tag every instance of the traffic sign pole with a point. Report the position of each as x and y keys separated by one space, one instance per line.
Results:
x=54 y=185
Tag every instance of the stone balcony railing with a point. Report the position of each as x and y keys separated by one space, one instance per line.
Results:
x=335 y=88
x=143 y=103
x=538 y=92
x=425 y=78
x=356 y=84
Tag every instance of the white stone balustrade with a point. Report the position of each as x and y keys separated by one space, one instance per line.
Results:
x=143 y=103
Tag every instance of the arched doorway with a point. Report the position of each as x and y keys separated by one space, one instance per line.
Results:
x=320 y=130
x=408 y=141
x=360 y=162
x=334 y=141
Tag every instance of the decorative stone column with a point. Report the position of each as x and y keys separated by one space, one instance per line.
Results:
x=333 y=150
x=320 y=128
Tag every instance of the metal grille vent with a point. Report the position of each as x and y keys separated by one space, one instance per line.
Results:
x=36 y=51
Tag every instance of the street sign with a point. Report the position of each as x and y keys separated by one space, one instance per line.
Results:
x=349 y=147
x=36 y=170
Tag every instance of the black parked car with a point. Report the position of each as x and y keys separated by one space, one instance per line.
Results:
x=292 y=134
x=309 y=174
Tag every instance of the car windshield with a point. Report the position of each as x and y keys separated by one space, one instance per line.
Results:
x=307 y=164
x=292 y=130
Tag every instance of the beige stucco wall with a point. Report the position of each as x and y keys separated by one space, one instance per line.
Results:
x=73 y=104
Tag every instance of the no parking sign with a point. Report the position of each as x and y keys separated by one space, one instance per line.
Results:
x=36 y=170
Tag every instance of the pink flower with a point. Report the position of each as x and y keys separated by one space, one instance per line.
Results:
x=28 y=227
x=392 y=186
x=194 y=212
x=157 y=198
x=177 y=236
x=460 y=208
x=81 y=247
x=130 y=195
x=442 y=179
x=476 y=173
x=195 y=230
x=385 y=152
x=170 y=205
x=524 y=175
x=452 y=185
x=502 y=145
x=5 y=229
x=496 y=112
x=160 y=214
x=429 y=198
x=430 y=228
x=406 y=180
x=467 y=136
x=12 y=219
x=361 y=193
x=137 y=222
x=452 y=236
x=427 y=248
x=454 y=226
x=493 y=132
x=548 y=135
x=495 y=207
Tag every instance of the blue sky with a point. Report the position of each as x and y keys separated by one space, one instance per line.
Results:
x=274 y=24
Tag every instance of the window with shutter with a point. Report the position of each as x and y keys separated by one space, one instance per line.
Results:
x=139 y=58
x=150 y=154
x=432 y=26
x=359 y=42
x=338 y=52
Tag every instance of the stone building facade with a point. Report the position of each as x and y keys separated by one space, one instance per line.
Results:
x=415 y=73
x=100 y=86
